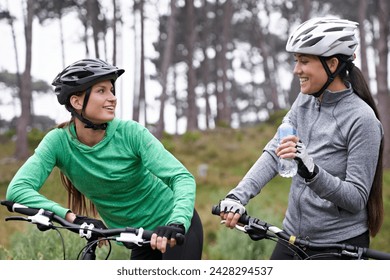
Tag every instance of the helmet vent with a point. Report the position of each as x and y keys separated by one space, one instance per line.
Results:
x=307 y=37
x=346 y=39
x=334 y=29
x=312 y=42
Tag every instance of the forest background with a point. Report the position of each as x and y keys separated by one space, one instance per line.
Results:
x=200 y=69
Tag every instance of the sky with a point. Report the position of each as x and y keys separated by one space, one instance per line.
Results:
x=47 y=63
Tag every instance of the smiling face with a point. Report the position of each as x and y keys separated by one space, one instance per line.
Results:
x=311 y=73
x=101 y=104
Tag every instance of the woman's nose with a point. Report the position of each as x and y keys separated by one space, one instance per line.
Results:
x=297 y=69
x=112 y=97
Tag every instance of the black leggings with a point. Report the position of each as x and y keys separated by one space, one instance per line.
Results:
x=285 y=251
x=191 y=249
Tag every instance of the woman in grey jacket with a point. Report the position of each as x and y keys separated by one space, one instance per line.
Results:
x=337 y=194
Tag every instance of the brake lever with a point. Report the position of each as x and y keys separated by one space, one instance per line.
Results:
x=237 y=227
x=24 y=219
x=17 y=218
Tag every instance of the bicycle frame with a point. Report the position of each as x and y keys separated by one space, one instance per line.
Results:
x=258 y=230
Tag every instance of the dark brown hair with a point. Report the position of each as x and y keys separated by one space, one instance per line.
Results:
x=77 y=202
x=375 y=200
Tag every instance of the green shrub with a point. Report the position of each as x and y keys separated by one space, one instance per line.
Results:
x=235 y=245
x=191 y=136
x=35 y=136
x=37 y=245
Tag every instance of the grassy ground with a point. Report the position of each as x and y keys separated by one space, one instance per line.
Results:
x=227 y=155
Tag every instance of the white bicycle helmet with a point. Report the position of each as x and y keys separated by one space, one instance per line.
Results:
x=324 y=37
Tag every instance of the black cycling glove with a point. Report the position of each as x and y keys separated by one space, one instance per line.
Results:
x=83 y=219
x=170 y=231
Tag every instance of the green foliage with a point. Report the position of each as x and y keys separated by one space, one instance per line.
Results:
x=35 y=136
x=36 y=245
x=277 y=117
x=234 y=245
x=11 y=81
x=9 y=133
x=191 y=136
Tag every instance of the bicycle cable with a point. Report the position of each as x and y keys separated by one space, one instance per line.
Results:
x=62 y=241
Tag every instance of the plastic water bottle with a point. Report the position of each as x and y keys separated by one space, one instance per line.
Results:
x=287 y=166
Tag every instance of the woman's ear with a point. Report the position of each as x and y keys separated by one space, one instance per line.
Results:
x=333 y=63
x=77 y=102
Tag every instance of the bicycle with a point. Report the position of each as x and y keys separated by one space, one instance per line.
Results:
x=47 y=220
x=258 y=230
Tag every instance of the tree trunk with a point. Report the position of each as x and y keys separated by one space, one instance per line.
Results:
x=92 y=13
x=305 y=13
x=225 y=40
x=136 y=94
x=11 y=23
x=24 y=120
x=178 y=112
x=306 y=10
x=85 y=37
x=382 y=74
x=362 y=14
x=205 y=78
x=205 y=67
x=192 y=111
x=142 y=93
x=166 y=61
x=114 y=22
x=62 y=39
x=270 y=84
x=218 y=62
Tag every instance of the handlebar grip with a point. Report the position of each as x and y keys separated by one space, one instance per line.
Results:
x=244 y=219
x=19 y=208
x=370 y=253
x=180 y=238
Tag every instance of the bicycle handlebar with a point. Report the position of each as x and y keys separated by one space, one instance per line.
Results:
x=137 y=236
x=263 y=230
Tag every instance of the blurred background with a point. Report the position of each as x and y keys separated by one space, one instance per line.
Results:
x=198 y=73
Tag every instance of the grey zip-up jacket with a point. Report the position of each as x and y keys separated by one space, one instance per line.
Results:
x=342 y=135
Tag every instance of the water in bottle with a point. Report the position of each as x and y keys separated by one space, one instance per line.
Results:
x=287 y=167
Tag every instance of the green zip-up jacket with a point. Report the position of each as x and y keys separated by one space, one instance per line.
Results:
x=129 y=176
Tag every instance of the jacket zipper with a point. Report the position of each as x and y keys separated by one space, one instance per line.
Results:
x=318 y=108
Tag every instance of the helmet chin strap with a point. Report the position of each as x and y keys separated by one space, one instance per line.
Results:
x=88 y=123
x=331 y=76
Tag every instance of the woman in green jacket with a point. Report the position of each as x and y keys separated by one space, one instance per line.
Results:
x=127 y=175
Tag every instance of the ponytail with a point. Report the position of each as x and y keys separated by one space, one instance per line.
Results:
x=77 y=202
x=375 y=200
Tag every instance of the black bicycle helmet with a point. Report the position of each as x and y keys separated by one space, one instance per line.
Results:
x=79 y=77
x=82 y=75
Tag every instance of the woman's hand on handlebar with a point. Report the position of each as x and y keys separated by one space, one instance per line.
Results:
x=165 y=235
x=230 y=218
x=79 y=220
x=231 y=210
x=70 y=216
